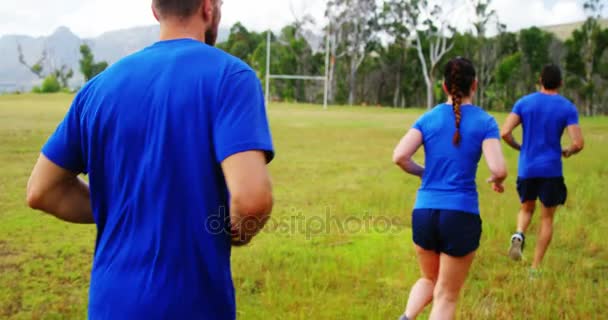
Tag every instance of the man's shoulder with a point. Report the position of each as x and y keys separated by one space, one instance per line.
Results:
x=231 y=64
x=524 y=103
x=530 y=97
x=196 y=54
x=566 y=102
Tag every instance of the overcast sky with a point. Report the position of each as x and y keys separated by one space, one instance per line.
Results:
x=88 y=18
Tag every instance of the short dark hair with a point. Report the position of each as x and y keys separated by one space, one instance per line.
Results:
x=177 y=8
x=551 y=77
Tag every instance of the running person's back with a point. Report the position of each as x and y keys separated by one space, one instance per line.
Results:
x=544 y=116
x=175 y=140
x=446 y=224
x=153 y=150
x=450 y=170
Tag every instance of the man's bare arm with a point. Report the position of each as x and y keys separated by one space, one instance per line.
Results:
x=59 y=192
x=512 y=122
x=577 y=141
x=250 y=194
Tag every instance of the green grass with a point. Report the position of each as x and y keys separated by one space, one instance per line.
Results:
x=333 y=166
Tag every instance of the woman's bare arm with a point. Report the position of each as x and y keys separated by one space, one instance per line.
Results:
x=407 y=147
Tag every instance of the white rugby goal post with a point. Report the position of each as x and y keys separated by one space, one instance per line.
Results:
x=269 y=75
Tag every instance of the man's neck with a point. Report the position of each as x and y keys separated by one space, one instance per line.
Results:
x=549 y=92
x=174 y=28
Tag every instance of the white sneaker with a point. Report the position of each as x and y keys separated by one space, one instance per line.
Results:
x=517 y=246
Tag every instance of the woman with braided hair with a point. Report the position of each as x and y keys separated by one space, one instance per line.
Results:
x=446 y=223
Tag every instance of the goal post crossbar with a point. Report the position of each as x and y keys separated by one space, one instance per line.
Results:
x=295 y=77
x=270 y=76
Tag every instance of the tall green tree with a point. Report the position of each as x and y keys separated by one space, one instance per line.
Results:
x=429 y=24
x=534 y=44
x=585 y=60
x=36 y=68
x=56 y=77
x=585 y=51
x=88 y=66
x=63 y=75
x=486 y=55
x=356 y=22
x=509 y=85
x=241 y=42
x=394 y=20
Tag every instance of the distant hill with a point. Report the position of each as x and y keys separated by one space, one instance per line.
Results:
x=564 y=31
x=63 y=47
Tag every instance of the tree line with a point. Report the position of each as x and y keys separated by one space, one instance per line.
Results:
x=392 y=54
x=54 y=78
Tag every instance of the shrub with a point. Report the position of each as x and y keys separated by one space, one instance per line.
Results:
x=50 y=85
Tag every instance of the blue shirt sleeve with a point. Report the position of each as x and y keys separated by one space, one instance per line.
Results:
x=572 y=118
x=517 y=109
x=64 y=147
x=241 y=123
x=492 y=131
x=419 y=124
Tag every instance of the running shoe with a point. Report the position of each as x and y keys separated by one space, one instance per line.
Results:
x=518 y=241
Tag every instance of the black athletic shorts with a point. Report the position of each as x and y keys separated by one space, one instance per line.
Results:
x=454 y=233
x=552 y=192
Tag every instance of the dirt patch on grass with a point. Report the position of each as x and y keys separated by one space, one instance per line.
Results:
x=7 y=258
x=5 y=251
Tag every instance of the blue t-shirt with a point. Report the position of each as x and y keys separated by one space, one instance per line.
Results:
x=449 y=176
x=544 y=118
x=151 y=132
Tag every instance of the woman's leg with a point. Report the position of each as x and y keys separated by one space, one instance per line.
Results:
x=453 y=272
x=422 y=292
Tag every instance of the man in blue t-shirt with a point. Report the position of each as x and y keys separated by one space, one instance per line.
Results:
x=544 y=116
x=175 y=141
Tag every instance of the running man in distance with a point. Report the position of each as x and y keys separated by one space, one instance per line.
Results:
x=544 y=116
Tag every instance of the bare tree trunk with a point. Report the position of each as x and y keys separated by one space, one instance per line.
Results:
x=397 y=94
x=430 y=95
x=330 y=88
x=425 y=72
x=482 y=77
x=351 y=81
x=438 y=48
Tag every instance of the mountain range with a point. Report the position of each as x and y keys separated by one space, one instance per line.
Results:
x=63 y=48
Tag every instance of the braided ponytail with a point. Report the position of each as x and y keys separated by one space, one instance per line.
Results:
x=459 y=77
x=456 y=103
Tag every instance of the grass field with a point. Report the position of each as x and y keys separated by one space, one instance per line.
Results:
x=339 y=246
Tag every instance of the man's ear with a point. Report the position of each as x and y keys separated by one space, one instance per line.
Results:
x=206 y=10
x=156 y=15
